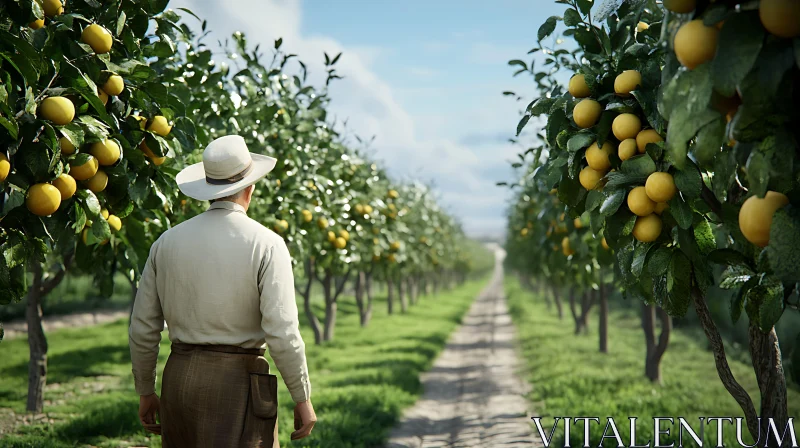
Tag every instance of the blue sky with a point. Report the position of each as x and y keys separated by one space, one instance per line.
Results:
x=425 y=77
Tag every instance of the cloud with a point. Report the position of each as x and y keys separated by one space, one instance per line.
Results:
x=368 y=103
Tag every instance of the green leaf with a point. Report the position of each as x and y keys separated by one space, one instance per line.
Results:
x=547 y=27
x=603 y=126
x=522 y=122
x=593 y=200
x=612 y=202
x=89 y=202
x=768 y=296
x=120 y=23
x=689 y=91
x=541 y=106
x=572 y=18
x=659 y=262
x=738 y=46
x=639 y=257
x=585 y=6
x=784 y=244
x=681 y=212
x=557 y=120
x=728 y=257
x=683 y=126
x=704 y=236
x=689 y=181
x=737 y=304
x=735 y=276
x=709 y=142
x=100 y=229
x=641 y=165
x=758 y=173
x=579 y=141
x=679 y=281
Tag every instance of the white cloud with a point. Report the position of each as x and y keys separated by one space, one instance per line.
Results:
x=368 y=102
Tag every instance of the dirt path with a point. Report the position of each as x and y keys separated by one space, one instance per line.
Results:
x=19 y=328
x=473 y=397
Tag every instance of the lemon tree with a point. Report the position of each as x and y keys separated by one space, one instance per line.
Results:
x=698 y=104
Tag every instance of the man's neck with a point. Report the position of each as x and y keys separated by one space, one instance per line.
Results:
x=241 y=201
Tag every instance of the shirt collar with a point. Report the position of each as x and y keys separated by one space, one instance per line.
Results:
x=227 y=205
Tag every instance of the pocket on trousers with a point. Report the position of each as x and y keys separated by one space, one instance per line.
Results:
x=264 y=395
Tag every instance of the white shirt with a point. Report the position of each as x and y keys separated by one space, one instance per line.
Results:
x=219 y=278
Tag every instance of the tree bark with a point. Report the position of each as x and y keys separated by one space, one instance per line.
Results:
x=37 y=344
x=331 y=288
x=654 y=352
x=723 y=369
x=390 y=295
x=768 y=365
x=364 y=297
x=313 y=322
x=367 y=316
x=401 y=295
x=573 y=310
x=586 y=306
x=603 y=325
x=557 y=300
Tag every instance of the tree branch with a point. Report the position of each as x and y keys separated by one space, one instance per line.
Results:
x=711 y=200
x=666 y=328
x=723 y=369
x=54 y=281
x=340 y=286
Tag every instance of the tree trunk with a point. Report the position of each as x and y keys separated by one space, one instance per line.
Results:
x=364 y=297
x=313 y=322
x=574 y=311
x=586 y=305
x=654 y=352
x=768 y=365
x=603 y=325
x=330 y=307
x=367 y=315
x=390 y=295
x=412 y=296
x=37 y=344
x=401 y=295
x=557 y=300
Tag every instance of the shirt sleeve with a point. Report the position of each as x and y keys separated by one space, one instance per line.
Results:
x=147 y=323
x=280 y=322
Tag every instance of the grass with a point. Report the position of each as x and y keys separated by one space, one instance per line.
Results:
x=571 y=378
x=361 y=381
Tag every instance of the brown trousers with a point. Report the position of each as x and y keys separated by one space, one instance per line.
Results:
x=218 y=396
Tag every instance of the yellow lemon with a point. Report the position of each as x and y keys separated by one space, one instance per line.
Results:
x=331 y=236
x=5 y=167
x=627 y=149
x=340 y=243
x=36 y=24
x=52 y=8
x=359 y=209
x=66 y=186
x=660 y=187
x=578 y=87
x=98 y=182
x=395 y=246
x=626 y=126
x=626 y=82
x=107 y=152
x=695 y=43
x=391 y=258
x=597 y=158
x=103 y=96
x=104 y=213
x=660 y=207
x=586 y=113
x=604 y=243
x=639 y=203
x=642 y=26
x=680 y=6
x=565 y=247
x=367 y=209
x=647 y=228
x=645 y=137
x=57 y=109
x=160 y=126
x=85 y=171
x=98 y=38
x=577 y=223
x=394 y=194
x=150 y=154
x=344 y=234
x=322 y=223
x=307 y=216
x=114 y=222
x=755 y=216
x=780 y=17
x=114 y=85
x=524 y=231
x=590 y=178
x=43 y=199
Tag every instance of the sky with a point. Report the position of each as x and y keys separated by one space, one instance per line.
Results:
x=425 y=78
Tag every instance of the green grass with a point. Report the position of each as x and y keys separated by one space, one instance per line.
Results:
x=571 y=378
x=361 y=381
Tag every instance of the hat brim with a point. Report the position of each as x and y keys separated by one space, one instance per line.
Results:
x=192 y=179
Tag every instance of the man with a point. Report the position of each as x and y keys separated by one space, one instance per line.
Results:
x=224 y=285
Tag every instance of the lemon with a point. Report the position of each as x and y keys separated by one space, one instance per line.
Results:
x=85 y=171
x=57 y=109
x=586 y=113
x=150 y=154
x=680 y=6
x=394 y=194
x=660 y=187
x=597 y=158
x=565 y=248
x=98 y=182
x=639 y=203
x=282 y=225
x=43 y=199
x=578 y=87
x=395 y=246
x=104 y=213
x=66 y=186
x=36 y=24
x=52 y=8
x=103 y=96
x=660 y=207
x=114 y=222
x=344 y=234
x=391 y=258
x=695 y=43
x=626 y=82
x=626 y=126
x=359 y=209
x=322 y=223
x=627 y=149
x=524 y=231
x=307 y=216
x=340 y=243
x=577 y=223
x=107 y=152
x=642 y=26
x=160 y=126
x=367 y=209
x=98 y=38
x=645 y=137
x=114 y=85
x=589 y=178
x=331 y=236
x=780 y=17
x=755 y=216
x=604 y=243
x=5 y=167
x=647 y=228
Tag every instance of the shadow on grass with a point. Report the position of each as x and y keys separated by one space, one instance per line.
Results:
x=79 y=362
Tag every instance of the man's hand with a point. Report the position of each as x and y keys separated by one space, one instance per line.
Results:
x=304 y=419
x=149 y=406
